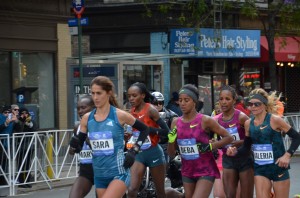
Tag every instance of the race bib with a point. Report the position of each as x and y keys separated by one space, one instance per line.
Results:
x=234 y=133
x=85 y=155
x=102 y=143
x=263 y=154
x=188 y=149
x=135 y=134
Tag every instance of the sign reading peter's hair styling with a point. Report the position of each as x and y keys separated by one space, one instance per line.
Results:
x=214 y=43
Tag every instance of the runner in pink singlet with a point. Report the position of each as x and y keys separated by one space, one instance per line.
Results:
x=190 y=133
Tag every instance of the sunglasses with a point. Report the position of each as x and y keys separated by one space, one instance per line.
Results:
x=158 y=103
x=256 y=104
x=16 y=109
x=5 y=112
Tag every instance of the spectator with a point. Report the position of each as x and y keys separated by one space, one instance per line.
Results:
x=240 y=105
x=174 y=104
x=8 y=123
x=25 y=148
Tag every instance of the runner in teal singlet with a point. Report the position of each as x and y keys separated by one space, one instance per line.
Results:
x=263 y=135
x=104 y=126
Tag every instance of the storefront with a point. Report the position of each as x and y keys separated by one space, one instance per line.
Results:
x=255 y=72
x=123 y=69
x=214 y=58
x=34 y=44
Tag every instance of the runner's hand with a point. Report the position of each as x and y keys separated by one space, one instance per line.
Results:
x=129 y=158
x=203 y=148
x=231 y=151
x=172 y=135
x=75 y=144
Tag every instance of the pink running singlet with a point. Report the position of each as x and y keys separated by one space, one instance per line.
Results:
x=195 y=164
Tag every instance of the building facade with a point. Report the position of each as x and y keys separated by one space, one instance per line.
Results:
x=34 y=46
x=128 y=26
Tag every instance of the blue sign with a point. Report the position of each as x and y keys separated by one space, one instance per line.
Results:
x=78 y=5
x=20 y=98
x=214 y=43
x=74 y=22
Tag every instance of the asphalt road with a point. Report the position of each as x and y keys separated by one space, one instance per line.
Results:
x=61 y=192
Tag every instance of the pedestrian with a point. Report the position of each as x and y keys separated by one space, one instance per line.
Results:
x=240 y=105
x=174 y=105
x=85 y=181
x=24 y=145
x=218 y=190
x=167 y=115
x=104 y=126
x=217 y=109
x=199 y=169
x=152 y=155
x=235 y=169
x=263 y=135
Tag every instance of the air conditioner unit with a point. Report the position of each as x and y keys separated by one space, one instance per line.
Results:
x=219 y=66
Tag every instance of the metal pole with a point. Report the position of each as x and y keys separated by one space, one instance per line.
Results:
x=80 y=54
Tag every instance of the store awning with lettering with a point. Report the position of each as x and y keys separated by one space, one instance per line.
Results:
x=287 y=49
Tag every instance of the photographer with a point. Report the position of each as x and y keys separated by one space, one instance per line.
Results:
x=27 y=125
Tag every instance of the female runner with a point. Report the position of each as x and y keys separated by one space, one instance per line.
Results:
x=199 y=169
x=105 y=128
x=235 y=169
x=152 y=154
x=263 y=135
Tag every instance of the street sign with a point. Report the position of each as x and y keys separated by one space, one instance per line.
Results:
x=78 y=5
x=20 y=98
x=74 y=22
x=73 y=31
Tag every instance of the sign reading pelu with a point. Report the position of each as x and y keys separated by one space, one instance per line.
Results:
x=214 y=43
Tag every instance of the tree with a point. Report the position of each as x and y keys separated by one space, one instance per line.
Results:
x=280 y=18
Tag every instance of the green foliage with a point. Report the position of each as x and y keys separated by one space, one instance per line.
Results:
x=249 y=9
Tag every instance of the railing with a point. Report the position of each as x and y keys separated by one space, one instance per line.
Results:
x=294 y=121
x=5 y=162
x=36 y=157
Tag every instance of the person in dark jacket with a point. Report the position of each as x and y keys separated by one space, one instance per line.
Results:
x=26 y=147
x=174 y=104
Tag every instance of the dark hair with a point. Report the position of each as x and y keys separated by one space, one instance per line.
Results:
x=5 y=108
x=108 y=86
x=230 y=89
x=89 y=98
x=192 y=88
x=143 y=90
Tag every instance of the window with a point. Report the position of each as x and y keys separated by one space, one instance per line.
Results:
x=32 y=79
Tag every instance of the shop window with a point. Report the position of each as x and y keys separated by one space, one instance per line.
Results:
x=32 y=78
x=249 y=79
x=150 y=75
x=5 y=83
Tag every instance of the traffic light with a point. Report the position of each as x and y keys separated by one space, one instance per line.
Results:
x=24 y=71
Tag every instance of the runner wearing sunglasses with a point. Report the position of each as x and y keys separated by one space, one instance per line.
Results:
x=263 y=135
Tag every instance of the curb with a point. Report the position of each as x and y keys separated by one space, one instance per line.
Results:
x=44 y=185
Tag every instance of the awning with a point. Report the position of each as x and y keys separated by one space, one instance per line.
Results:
x=287 y=49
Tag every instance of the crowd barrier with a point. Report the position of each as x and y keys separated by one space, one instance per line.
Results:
x=35 y=157
x=42 y=156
